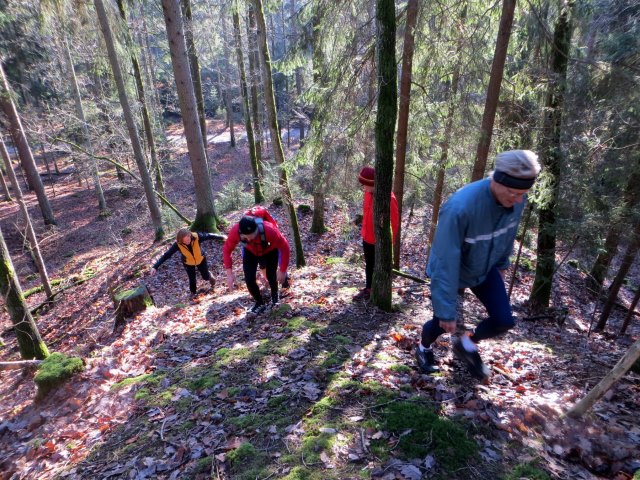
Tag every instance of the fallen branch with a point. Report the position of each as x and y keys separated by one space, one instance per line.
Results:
x=53 y=295
x=19 y=364
x=409 y=276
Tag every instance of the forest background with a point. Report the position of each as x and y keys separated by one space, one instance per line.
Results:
x=123 y=121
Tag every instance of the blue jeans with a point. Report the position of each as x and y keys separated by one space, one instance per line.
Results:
x=493 y=295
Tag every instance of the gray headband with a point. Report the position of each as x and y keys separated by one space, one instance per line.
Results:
x=507 y=180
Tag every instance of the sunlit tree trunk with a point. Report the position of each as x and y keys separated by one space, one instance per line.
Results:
x=551 y=157
x=403 y=120
x=254 y=81
x=257 y=186
x=24 y=151
x=630 y=313
x=206 y=219
x=30 y=343
x=156 y=217
x=227 y=83
x=385 y=126
x=5 y=187
x=493 y=90
x=31 y=234
x=274 y=129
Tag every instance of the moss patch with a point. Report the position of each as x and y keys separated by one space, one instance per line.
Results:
x=530 y=471
x=247 y=462
x=54 y=370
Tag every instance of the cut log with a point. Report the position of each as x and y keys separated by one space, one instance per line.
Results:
x=19 y=364
x=130 y=302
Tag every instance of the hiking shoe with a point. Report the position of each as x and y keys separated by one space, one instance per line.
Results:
x=212 y=282
x=258 y=308
x=474 y=363
x=286 y=283
x=363 y=294
x=426 y=361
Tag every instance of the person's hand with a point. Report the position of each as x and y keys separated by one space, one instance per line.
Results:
x=448 y=327
x=231 y=279
x=153 y=271
x=281 y=276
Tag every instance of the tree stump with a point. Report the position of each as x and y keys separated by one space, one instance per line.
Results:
x=130 y=302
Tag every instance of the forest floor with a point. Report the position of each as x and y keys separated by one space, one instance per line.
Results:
x=321 y=388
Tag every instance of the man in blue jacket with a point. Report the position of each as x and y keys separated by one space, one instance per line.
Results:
x=473 y=241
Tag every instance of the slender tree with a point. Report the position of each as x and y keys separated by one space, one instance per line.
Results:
x=274 y=129
x=227 y=84
x=385 y=126
x=551 y=157
x=403 y=119
x=257 y=186
x=5 y=187
x=156 y=217
x=31 y=234
x=24 y=151
x=30 y=343
x=493 y=90
x=205 y=211
x=254 y=81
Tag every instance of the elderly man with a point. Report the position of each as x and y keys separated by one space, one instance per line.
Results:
x=473 y=241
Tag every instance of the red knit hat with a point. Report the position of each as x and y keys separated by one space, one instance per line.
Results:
x=367 y=176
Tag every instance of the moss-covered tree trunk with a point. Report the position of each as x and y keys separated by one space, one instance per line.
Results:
x=385 y=128
x=29 y=342
x=274 y=129
x=24 y=151
x=227 y=83
x=254 y=80
x=257 y=186
x=551 y=156
x=154 y=210
x=206 y=219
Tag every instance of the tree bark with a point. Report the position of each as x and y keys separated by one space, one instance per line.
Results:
x=5 y=187
x=31 y=234
x=226 y=82
x=493 y=90
x=156 y=217
x=254 y=80
x=630 y=312
x=257 y=187
x=550 y=154
x=385 y=126
x=403 y=120
x=206 y=218
x=24 y=151
x=616 y=373
x=276 y=141
x=30 y=344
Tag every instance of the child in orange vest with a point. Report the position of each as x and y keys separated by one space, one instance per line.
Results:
x=193 y=257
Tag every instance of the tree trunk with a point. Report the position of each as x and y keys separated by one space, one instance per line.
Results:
x=194 y=65
x=550 y=154
x=205 y=210
x=5 y=187
x=29 y=342
x=26 y=157
x=146 y=118
x=254 y=80
x=257 y=187
x=31 y=234
x=403 y=120
x=276 y=141
x=614 y=289
x=616 y=373
x=632 y=310
x=226 y=82
x=493 y=90
x=385 y=126
x=156 y=217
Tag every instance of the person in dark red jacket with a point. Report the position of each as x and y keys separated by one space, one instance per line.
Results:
x=263 y=243
x=367 y=180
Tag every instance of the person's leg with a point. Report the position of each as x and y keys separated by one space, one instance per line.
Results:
x=203 y=268
x=369 y=262
x=250 y=266
x=430 y=332
x=493 y=295
x=424 y=353
x=271 y=264
x=191 y=273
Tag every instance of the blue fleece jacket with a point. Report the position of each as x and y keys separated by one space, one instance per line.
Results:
x=474 y=234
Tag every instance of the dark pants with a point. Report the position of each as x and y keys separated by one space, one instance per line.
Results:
x=369 y=261
x=203 y=268
x=493 y=295
x=250 y=264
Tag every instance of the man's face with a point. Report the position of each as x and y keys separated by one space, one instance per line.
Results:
x=247 y=237
x=506 y=196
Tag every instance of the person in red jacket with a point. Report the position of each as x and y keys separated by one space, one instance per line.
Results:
x=367 y=180
x=263 y=244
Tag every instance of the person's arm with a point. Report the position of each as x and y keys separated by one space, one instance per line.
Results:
x=205 y=236
x=227 y=249
x=282 y=244
x=444 y=265
x=173 y=249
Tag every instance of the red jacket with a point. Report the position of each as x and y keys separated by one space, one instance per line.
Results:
x=367 y=218
x=273 y=236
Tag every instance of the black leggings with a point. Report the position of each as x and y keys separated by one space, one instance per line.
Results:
x=250 y=266
x=369 y=261
x=203 y=268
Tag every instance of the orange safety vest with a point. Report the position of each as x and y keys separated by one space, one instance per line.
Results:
x=194 y=256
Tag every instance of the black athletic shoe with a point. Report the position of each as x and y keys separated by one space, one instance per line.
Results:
x=474 y=363
x=426 y=361
x=258 y=308
x=286 y=283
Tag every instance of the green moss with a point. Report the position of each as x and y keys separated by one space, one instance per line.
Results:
x=131 y=381
x=636 y=476
x=204 y=465
x=400 y=368
x=247 y=463
x=280 y=310
x=277 y=401
x=142 y=394
x=333 y=260
x=298 y=323
x=528 y=471
x=40 y=288
x=204 y=223
x=54 y=370
x=314 y=445
x=200 y=383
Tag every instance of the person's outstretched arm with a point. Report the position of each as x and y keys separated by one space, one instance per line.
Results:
x=166 y=256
